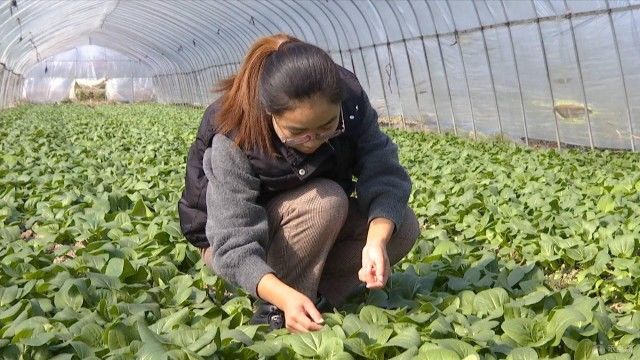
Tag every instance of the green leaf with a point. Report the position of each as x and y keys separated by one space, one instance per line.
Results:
x=352 y=324
x=266 y=349
x=168 y=323
x=585 y=350
x=152 y=347
x=518 y=274
x=117 y=337
x=466 y=301
x=104 y=281
x=439 y=354
x=490 y=302
x=39 y=339
x=182 y=295
x=623 y=245
x=91 y=334
x=140 y=210
x=9 y=233
x=523 y=353
x=606 y=204
x=526 y=332
x=373 y=315
x=63 y=357
x=461 y=348
x=237 y=335
x=532 y=298
x=407 y=338
x=213 y=346
x=12 y=312
x=83 y=350
x=446 y=247
x=315 y=343
x=32 y=325
x=355 y=345
x=68 y=296
x=409 y=354
x=9 y=294
x=376 y=334
x=173 y=229
x=114 y=267
x=207 y=338
x=435 y=208
x=561 y=320
x=331 y=348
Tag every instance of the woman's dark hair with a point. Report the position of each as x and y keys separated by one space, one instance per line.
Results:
x=277 y=72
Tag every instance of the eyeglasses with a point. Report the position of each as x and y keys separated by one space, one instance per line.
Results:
x=322 y=137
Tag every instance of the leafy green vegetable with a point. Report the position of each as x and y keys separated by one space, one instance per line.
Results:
x=524 y=254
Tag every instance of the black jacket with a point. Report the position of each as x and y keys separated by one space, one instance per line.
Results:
x=335 y=161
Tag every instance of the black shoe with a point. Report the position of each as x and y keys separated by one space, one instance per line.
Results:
x=268 y=314
x=322 y=304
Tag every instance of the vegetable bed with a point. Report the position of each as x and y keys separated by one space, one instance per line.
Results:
x=524 y=254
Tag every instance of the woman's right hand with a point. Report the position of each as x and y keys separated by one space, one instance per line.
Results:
x=300 y=313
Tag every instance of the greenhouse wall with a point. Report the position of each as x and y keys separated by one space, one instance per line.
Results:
x=9 y=82
x=52 y=80
x=555 y=72
x=529 y=70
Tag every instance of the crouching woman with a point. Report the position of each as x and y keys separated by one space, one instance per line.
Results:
x=301 y=196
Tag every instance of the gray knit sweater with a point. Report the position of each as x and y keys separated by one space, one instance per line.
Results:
x=237 y=225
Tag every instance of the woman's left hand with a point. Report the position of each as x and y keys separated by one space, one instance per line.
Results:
x=375 y=265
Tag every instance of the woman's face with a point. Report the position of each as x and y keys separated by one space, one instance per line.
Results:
x=311 y=120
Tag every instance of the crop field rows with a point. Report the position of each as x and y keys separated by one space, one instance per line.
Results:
x=524 y=254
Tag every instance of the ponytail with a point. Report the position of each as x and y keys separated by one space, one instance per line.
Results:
x=241 y=111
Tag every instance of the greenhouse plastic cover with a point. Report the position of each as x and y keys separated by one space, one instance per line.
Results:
x=52 y=80
x=559 y=71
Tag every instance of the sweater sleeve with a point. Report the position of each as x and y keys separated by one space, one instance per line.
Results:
x=237 y=227
x=383 y=185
